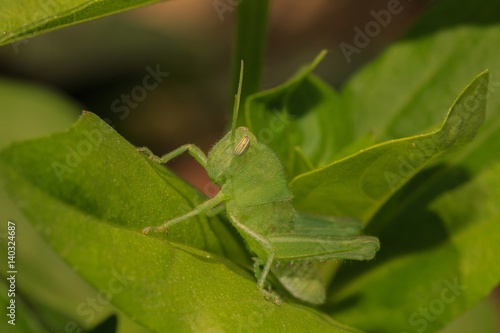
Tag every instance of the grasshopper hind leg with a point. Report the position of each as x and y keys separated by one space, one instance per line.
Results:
x=261 y=275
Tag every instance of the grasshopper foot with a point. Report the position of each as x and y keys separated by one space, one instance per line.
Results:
x=146 y=151
x=146 y=230
x=269 y=295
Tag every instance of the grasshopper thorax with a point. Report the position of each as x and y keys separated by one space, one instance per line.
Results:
x=230 y=154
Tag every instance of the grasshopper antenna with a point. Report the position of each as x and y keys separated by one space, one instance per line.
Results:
x=237 y=103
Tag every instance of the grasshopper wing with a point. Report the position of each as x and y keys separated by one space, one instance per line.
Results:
x=301 y=278
x=304 y=247
x=321 y=225
x=317 y=237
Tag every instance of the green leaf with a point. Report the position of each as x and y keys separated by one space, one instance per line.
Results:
x=398 y=94
x=428 y=281
x=46 y=284
x=92 y=214
x=355 y=146
x=22 y=19
x=303 y=112
x=360 y=184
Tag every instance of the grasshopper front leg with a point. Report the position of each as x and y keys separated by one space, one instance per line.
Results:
x=200 y=209
x=192 y=149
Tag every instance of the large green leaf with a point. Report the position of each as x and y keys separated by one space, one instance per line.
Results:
x=360 y=184
x=20 y=19
x=65 y=166
x=52 y=290
x=45 y=280
x=400 y=92
x=93 y=211
x=433 y=266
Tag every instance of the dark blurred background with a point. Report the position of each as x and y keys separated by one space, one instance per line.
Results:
x=98 y=61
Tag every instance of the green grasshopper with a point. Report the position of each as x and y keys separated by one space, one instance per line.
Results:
x=257 y=199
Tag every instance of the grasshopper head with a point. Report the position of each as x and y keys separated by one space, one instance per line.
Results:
x=234 y=150
x=230 y=154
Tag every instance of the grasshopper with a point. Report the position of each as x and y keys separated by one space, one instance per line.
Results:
x=255 y=192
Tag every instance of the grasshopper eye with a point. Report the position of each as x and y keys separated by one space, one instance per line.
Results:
x=242 y=146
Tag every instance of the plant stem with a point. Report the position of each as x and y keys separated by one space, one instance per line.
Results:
x=249 y=45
